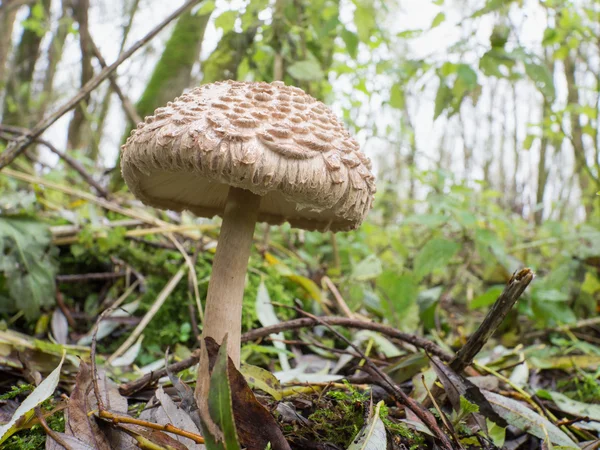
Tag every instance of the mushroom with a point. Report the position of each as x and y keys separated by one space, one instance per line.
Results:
x=247 y=151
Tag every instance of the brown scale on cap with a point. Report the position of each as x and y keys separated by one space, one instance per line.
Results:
x=271 y=139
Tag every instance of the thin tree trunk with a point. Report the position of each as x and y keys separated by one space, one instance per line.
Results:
x=542 y=169
x=514 y=185
x=489 y=145
x=17 y=99
x=8 y=14
x=581 y=167
x=77 y=135
x=55 y=53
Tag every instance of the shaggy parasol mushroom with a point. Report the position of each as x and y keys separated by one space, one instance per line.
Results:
x=248 y=152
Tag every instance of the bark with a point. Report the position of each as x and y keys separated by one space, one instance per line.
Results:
x=55 y=52
x=173 y=72
x=587 y=181
x=77 y=129
x=542 y=169
x=7 y=20
x=17 y=100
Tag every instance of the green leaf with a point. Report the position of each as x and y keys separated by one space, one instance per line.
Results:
x=219 y=399
x=400 y=290
x=435 y=254
x=364 y=19
x=226 y=21
x=205 y=7
x=443 y=98
x=487 y=298
x=28 y=264
x=520 y=416
x=467 y=75
x=580 y=409
x=438 y=19
x=260 y=378
x=367 y=269
x=528 y=142
x=541 y=76
x=466 y=407
x=351 y=41
x=496 y=433
x=307 y=70
x=397 y=96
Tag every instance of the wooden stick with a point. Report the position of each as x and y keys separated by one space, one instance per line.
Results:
x=513 y=290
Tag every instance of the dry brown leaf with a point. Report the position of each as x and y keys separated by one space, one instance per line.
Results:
x=255 y=425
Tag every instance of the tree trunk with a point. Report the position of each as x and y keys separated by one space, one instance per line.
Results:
x=77 y=136
x=55 y=53
x=17 y=98
x=8 y=14
x=584 y=175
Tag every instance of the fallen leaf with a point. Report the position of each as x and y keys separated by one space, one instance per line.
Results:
x=60 y=326
x=372 y=436
x=25 y=410
x=169 y=412
x=78 y=423
x=255 y=425
x=266 y=316
x=580 y=409
x=262 y=379
x=523 y=418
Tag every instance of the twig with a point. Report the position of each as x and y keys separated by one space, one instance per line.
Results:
x=160 y=300
x=49 y=431
x=513 y=290
x=75 y=165
x=191 y=274
x=119 y=419
x=82 y=277
x=124 y=295
x=566 y=327
x=60 y=302
x=443 y=416
x=305 y=322
x=15 y=148
x=342 y=305
x=134 y=386
x=132 y=114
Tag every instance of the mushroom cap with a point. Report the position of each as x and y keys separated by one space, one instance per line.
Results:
x=271 y=139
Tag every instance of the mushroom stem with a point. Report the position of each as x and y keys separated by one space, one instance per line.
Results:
x=223 y=312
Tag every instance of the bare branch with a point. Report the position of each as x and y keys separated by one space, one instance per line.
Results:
x=66 y=158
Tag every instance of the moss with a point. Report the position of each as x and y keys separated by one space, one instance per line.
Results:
x=339 y=416
x=34 y=438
